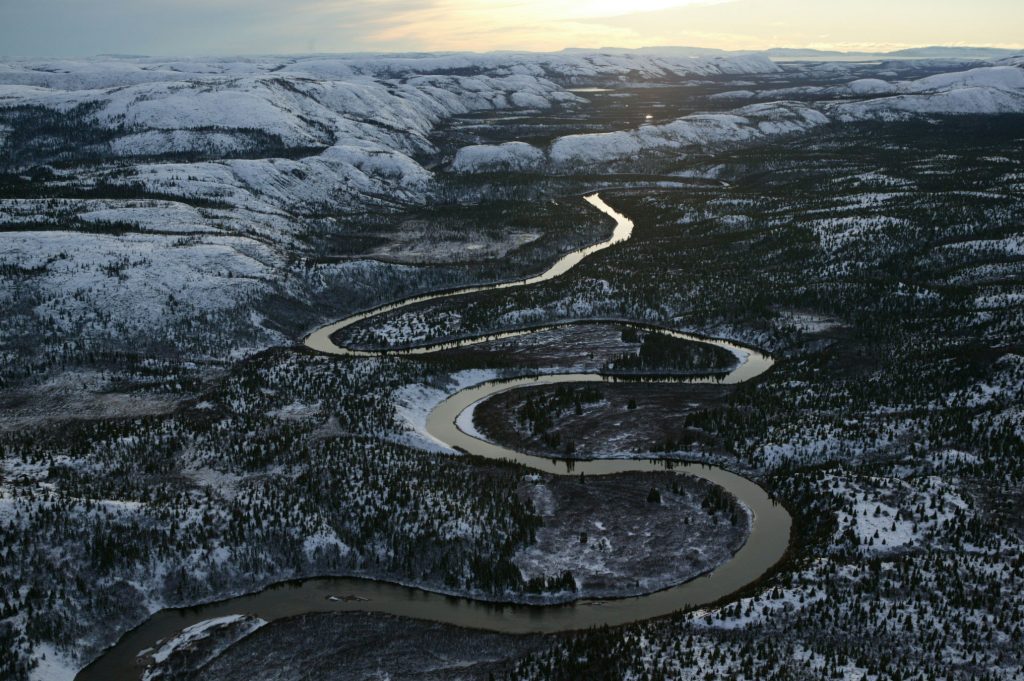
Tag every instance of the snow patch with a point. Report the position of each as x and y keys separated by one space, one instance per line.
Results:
x=510 y=156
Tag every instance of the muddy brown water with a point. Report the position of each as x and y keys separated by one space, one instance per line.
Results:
x=765 y=546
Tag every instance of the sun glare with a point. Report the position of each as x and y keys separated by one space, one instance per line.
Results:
x=610 y=8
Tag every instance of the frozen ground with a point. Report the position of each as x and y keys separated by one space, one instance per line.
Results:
x=195 y=646
x=621 y=420
x=367 y=647
x=617 y=542
x=986 y=90
x=197 y=199
x=204 y=210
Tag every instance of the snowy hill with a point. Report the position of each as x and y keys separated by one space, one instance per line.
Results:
x=134 y=184
x=986 y=90
x=566 y=67
x=515 y=156
x=350 y=126
x=701 y=130
x=232 y=163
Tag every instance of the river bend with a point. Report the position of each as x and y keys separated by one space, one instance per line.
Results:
x=765 y=546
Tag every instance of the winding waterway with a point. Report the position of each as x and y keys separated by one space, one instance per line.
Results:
x=765 y=546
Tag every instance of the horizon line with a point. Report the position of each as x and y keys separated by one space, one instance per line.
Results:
x=1009 y=51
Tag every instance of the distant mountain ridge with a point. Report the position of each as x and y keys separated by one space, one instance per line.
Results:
x=929 y=52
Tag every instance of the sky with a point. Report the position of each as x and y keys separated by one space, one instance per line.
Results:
x=60 y=28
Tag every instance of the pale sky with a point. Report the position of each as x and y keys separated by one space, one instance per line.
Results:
x=185 y=27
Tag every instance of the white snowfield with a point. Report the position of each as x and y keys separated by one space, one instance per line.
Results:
x=110 y=71
x=229 y=628
x=345 y=131
x=354 y=137
x=240 y=156
x=287 y=135
x=987 y=90
x=699 y=130
x=145 y=215
x=514 y=156
x=128 y=283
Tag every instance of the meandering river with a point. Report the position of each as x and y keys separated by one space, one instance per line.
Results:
x=765 y=546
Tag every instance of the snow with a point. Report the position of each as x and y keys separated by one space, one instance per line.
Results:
x=363 y=118
x=296 y=411
x=324 y=539
x=808 y=322
x=135 y=281
x=465 y=423
x=362 y=121
x=361 y=132
x=954 y=457
x=734 y=94
x=901 y=517
x=510 y=156
x=143 y=215
x=984 y=90
x=246 y=104
x=1010 y=246
x=871 y=86
x=987 y=90
x=154 y=143
x=53 y=665
x=193 y=633
x=574 y=66
x=875 y=520
x=1000 y=77
x=414 y=402
x=190 y=636
x=759 y=609
x=698 y=130
x=368 y=128
x=961 y=101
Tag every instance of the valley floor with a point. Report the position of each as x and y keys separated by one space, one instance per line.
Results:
x=169 y=231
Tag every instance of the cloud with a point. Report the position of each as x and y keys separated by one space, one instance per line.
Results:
x=864 y=24
x=70 y=27
x=59 y=27
x=518 y=24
